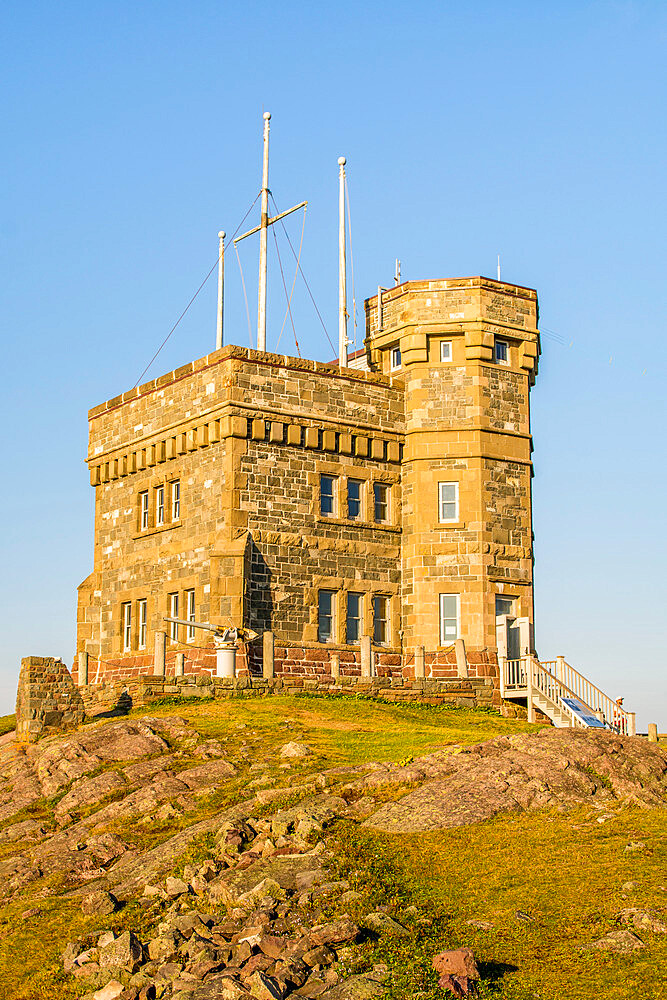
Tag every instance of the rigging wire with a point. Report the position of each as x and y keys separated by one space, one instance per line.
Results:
x=282 y=275
x=193 y=298
x=300 y=269
x=296 y=275
x=354 y=299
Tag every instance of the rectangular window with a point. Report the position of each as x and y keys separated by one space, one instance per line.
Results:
x=353 y=624
x=327 y=495
x=126 y=617
x=380 y=620
x=176 y=500
x=381 y=501
x=354 y=498
x=504 y=605
x=395 y=358
x=190 y=615
x=143 y=508
x=159 y=506
x=143 y=615
x=449 y=618
x=325 y=616
x=502 y=352
x=448 y=502
x=445 y=350
x=173 y=613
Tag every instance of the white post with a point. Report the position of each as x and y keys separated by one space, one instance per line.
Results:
x=342 y=268
x=366 y=657
x=221 y=290
x=82 y=676
x=268 y=654
x=264 y=228
x=632 y=724
x=179 y=665
x=419 y=663
x=159 y=662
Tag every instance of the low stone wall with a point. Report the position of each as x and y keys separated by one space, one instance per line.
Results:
x=47 y=700
x=462 y=692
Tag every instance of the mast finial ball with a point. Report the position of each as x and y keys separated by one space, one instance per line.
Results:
x=341 y=161
x=267 y=115
x=222 y=234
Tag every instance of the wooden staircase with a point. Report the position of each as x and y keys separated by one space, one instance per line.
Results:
x=563 y=694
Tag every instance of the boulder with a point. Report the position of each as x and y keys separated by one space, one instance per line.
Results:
x=99 y=903
x=618 y=942
x=125 y=953
x=295 y=751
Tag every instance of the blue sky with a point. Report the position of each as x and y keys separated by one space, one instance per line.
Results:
x=132 y=134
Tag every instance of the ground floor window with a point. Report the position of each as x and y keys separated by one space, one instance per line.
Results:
x=380 y=619
x=126 y=619
x=143 y=618
x=325 y=616
x=449 y=618
x=190 y=605
x=173 y=613
x=353 y=624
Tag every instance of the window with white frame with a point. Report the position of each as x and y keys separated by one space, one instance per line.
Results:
x=143 y=618
x=190 y=613
x=502 y=352
x=448 y=502
x=328 y=495
x=326 y=615
x=353 y=621
x=176 y=500
x=381 y=501
x=445 y=350
x=504 y=605
x=159 y=506
x=395 y=358
x=143 y=510
x=380 y=619
x=354 y=487
x=449 y=618
x=126 y=620
x=173 y=613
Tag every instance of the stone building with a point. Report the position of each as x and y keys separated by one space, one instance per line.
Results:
x=389 y=499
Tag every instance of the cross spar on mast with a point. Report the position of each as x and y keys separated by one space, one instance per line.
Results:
x=263 y=233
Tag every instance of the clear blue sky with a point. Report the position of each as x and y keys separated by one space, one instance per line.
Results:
x=132 y=133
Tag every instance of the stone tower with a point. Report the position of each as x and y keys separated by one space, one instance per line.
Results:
x=466 y=350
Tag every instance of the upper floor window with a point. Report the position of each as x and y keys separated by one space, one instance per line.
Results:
x=449 y=618
x=395 y=358
x=504 y=605
x=325 y=615
x=327 y=495
x=126 y=620
x=143 y=617
x=143 y=510
x=380 y=619
x=176 y=500
x=445 y=350
x=173 y=613
x=381 y=501
x=190 y=613
x=502 y=352
x=353 y=622
x=159 y=506
x=354 y=487
x=448 y=502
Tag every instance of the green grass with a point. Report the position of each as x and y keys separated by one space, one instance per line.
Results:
x=7 y=724
x=345 y=730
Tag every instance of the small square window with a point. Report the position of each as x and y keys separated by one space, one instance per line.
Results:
x=328 y=496
x=353 y=624
x=380 y=619
x=445 y=350
x=448 y=502
x=354 y=487
x=502 y=352
x=325 y=616
x=395 y=358
x=159 y=506
x=449 y=618
x=381 y=501
x=176 y=500
x=504 y=605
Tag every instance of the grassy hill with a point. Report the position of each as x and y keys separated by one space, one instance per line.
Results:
x=527 y=891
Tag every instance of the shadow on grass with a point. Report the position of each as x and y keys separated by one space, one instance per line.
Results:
x=493 y=973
